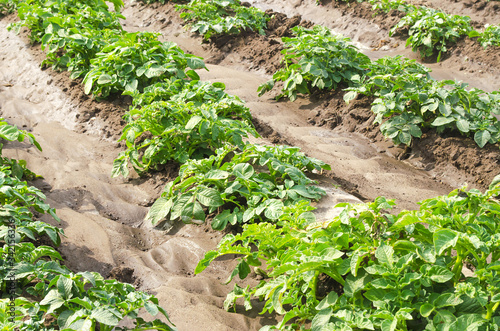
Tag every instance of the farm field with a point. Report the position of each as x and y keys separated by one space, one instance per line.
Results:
x=107 y=221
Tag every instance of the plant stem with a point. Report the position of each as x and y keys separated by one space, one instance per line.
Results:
x=491 y=310
x=457 y=268
x=314 y=284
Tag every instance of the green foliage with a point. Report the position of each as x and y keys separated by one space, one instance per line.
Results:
x=12 y=133
x=71 y=41
x=376 y=271
x=490 y=36
x=135 y=61
x=406 y=95
x=7 y=7
x=37 y=15
x=388 y=5
x=58 y=298
x=430 y=30
x=252 y=184
x=148 y=2
x=315 y=59
x=215 y=17
x=82 y=301
x=195 y=119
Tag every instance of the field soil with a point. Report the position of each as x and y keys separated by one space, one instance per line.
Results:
x=103 y=217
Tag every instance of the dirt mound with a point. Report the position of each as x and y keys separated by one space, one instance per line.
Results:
x=261 y=52
x=454 y=159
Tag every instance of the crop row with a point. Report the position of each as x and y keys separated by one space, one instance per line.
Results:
x=429 y=30
x=406 y=98
x=368 y=269
x=79 y=301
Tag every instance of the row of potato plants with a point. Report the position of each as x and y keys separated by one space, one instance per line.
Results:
x=215 y=17
x=432 y=31
x=429 y=30
x=406 y=98
x=436 y=268
x=38 y=293
x=345 y=65
x=174 y=116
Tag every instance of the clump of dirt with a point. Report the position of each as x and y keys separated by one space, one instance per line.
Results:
x=439 y=152
x=263 y=52
x=450 y=154
x=468 y=52
x=122 y=274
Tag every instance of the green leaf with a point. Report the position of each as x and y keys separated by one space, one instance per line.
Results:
x=446 y=300
x=389 y=325
x=276 y=299
x=328 y=301
x=205 y=262
x=444 y=239
x=159 y=210
x=88 y=82
x=355 y=284
x=349 y=96
x=64 y=286
x=482 y=137
x=120 y=168
x=321 y=319
x=220 y=221
x=193 y=212
x=463 y=125
x=494 y=182
x=440 y=121
x=209 y=197
x=426 y=309
x=384 y=254
x=405 y=220
x=405 y=137
x=274 y=209
x=104 y=316
x=195 y=63
x=155 y=70
x=9 y=132
x=440 y=274
x=104 y=79
x=243 y=170
x=193 y=121
x=132 y=85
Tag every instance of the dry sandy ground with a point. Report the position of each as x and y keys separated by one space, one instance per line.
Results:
x=103 y=217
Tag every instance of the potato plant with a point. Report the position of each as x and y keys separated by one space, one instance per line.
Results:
x=430 y=30
x=194 y=120
x=490 y=36
x=408 y=100
x=7 y=7
x=368 y=269
x=315 y=60
x=238 y=186
x=215 y=17
x=135 y=61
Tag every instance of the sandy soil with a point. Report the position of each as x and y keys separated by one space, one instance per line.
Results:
x=103 y=217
